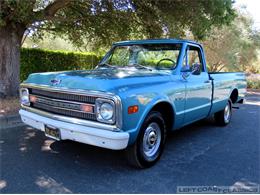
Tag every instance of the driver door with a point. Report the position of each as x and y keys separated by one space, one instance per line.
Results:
x=198 y=86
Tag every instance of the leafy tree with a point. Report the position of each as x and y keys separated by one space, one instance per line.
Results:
x=234 y=48
x=100 y=22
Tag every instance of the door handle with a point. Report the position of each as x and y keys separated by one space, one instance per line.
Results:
x=207 y=81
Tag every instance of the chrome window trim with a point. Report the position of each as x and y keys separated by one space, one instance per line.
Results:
x=98 y=94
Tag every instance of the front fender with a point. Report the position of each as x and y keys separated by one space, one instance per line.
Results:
x=143 y=112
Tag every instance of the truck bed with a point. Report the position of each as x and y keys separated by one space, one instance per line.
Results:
x=224 y=83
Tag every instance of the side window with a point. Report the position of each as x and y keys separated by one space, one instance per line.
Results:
x=193 y=56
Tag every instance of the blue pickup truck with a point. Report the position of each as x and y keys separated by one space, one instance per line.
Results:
x=137 y=93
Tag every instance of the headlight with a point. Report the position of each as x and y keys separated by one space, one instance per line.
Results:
x=24 y=97
x=105 y=111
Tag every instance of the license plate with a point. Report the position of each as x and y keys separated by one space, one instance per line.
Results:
x=52 y=132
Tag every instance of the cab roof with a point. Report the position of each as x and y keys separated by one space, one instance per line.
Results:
x=155 y=41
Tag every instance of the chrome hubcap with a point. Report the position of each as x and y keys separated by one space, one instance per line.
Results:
x=227 y=113
x=151 y=139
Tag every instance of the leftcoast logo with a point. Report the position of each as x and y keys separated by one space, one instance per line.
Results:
x=55 y=81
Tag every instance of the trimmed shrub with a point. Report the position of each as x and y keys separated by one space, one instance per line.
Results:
x=253 y=81
x=39 y=60
x=253 y=84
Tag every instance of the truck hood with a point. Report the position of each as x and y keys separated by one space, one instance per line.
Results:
x=106 y=80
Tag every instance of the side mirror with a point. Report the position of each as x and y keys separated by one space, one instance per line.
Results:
x=195 y=69
x=185 y=72
x=185 y=69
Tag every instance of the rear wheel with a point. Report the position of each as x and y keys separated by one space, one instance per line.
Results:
x=223 y=117
x=147 y=149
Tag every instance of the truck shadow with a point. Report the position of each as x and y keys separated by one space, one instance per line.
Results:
x=96 y=156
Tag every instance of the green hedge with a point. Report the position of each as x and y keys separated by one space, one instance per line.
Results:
x=253 y=81
x=38 y=60
x=253 y=84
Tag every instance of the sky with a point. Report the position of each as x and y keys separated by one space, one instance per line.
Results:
x=253 y=7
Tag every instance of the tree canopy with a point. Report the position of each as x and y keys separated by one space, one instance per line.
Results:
x=103 y=21
x=234 y=48
x=99 y=23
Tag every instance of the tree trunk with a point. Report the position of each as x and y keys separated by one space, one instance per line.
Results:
x=10 y=44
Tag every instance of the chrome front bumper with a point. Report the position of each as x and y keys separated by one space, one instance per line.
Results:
x=88 y=133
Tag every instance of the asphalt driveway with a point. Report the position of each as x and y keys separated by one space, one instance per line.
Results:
x=201 y=154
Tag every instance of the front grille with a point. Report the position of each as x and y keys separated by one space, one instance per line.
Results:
x=63 y=96
x=63 y=112
x=63 y=103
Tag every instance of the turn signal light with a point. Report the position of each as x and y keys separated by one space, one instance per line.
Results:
x=86 y=108
x=33 y=98
x=132 y=109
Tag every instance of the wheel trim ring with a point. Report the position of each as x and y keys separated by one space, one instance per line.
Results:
x=227 y=113
x=151 y=144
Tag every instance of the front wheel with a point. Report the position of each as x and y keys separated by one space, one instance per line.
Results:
x=148 y=147
x=223 y=117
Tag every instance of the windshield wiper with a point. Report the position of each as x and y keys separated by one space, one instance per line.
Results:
x=105 y=65
x=140 y=66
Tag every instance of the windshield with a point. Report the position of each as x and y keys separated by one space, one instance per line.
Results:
x=159 y=56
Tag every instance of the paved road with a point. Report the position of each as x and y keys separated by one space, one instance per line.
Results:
x=198 y=155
